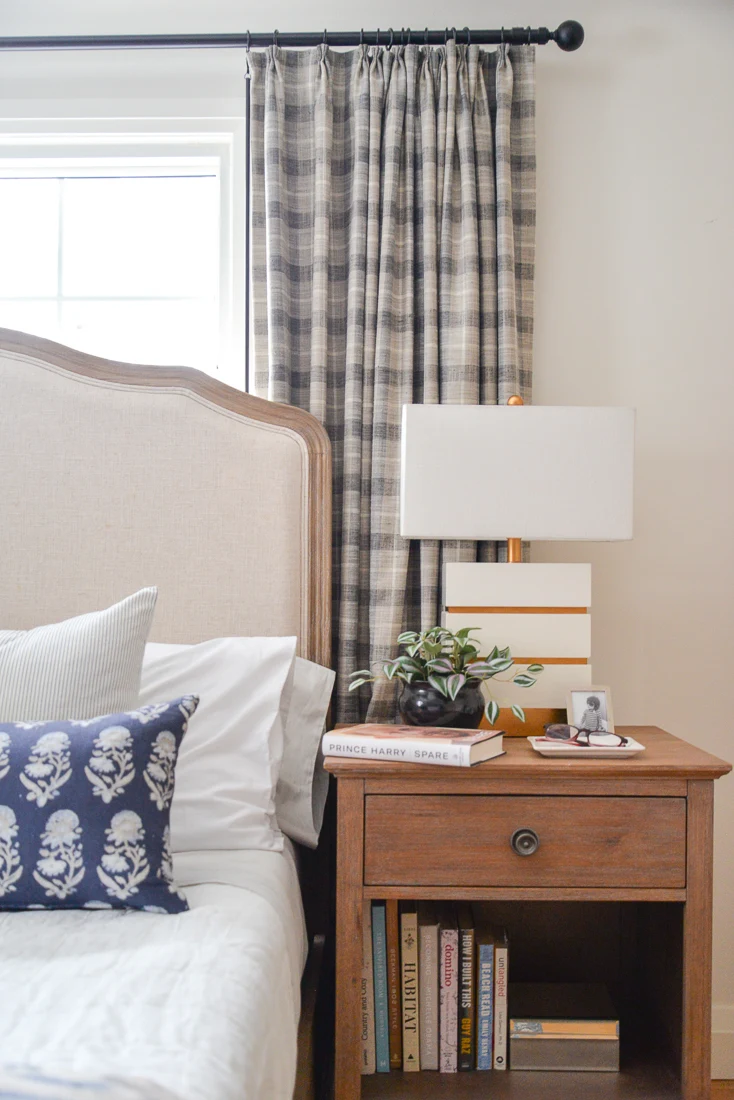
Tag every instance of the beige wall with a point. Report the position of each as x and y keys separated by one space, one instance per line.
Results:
x=634 y=303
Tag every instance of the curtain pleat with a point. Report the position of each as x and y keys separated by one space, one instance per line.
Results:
x=393 y=228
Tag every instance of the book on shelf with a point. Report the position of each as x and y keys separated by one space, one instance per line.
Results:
x=367 y=994
x=379 y=959
x=466 y=987
x=414 y=744
x=501 y=973
x=485 y=938
x=394 y=983
x=448 y=989
x=409 y=967
x=428 y=937
x=563 y=1026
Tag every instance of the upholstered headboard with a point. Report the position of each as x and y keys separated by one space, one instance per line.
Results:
x=114 y=476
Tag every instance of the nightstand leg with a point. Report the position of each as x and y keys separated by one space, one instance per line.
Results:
x=349 y=877
x=696 y=1068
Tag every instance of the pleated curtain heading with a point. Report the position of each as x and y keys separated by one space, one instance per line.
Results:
x=393 y=240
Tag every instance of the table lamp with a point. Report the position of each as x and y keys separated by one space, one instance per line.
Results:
x=520 y=472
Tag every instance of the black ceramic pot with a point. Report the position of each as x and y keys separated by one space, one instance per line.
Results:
x=420 y=704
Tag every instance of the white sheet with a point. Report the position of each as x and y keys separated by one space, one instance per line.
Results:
x=205 y=1003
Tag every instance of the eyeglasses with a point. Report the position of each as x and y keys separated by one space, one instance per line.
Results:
x=584 y=738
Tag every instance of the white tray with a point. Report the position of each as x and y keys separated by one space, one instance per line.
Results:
x=582 y=752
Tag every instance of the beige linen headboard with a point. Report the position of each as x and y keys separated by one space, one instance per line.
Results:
x=113 y=477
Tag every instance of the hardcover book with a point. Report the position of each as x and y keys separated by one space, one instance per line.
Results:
x=448 y=990
x=379 y=959
x=428 y=936
x=394 y=983
x=367 y=995
x=409 y=960
x=501 y=972
x=558 y=1026
x=485 y=938
x=414 y=744
x=467 y=1054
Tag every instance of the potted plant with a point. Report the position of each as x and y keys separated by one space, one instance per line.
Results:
x=442 y=674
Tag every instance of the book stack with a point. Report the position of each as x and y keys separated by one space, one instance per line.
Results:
x=434 y=989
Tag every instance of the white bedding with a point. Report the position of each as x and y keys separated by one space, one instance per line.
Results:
x=205 y=1003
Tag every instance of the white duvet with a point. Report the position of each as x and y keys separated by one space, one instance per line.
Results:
x=204 y=1004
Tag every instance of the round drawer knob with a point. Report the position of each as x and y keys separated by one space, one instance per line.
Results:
x=524 y=842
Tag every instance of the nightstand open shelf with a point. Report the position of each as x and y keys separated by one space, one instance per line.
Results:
x=619 y=892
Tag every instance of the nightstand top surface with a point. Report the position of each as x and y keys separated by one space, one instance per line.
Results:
x=665 y=756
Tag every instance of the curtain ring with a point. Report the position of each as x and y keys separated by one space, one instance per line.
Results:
x=377 y=37
x=425 y=37
x=467 y=32
x=529 y=34
x=247 y=47
x=392 y=39
x=402 y=37
x=325 y=42
x=410 y=42
x=446 y=36
x=361 y=37
x=453 y=34
x=502 y=36
x=275 y=37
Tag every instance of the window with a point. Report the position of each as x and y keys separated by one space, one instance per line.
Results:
x=126 y=252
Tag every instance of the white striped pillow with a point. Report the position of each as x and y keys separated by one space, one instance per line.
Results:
x=81 y=668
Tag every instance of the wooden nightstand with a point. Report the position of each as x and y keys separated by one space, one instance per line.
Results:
x=619 y=890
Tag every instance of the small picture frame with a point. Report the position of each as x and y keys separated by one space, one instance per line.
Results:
x=591 y=708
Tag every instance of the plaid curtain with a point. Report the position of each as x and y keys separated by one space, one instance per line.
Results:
x=393 y=218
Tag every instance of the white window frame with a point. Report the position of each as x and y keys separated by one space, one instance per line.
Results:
x=105 y=145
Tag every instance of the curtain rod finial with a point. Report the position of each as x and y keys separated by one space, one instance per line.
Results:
x=569 y=35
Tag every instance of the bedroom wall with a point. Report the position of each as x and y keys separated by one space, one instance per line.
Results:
x=634 y=298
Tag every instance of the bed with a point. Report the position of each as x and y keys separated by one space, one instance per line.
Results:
x=113 y=477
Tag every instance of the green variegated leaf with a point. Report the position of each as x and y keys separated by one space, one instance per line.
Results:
x=518 y=712
x=500 y=664
x=440 y=664
x=505 y=652
x=523 y=681
x=495 y=653
x=390 y=669
x=362 y=672
x=408 y=637
x=491 y=711
x=414 y=650
x=357 y=684
x=454 y=684
x=535 y=668
x=439 y=683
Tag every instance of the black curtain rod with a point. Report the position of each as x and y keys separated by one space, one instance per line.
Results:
x=568 y=36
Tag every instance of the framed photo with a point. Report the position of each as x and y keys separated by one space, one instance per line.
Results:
x=590 y=708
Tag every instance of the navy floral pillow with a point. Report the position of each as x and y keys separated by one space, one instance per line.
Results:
x=84 y=811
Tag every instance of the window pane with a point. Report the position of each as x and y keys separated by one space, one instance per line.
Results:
x=141 y=237
x=159 y=333
x=38 y=318
x=29 y=217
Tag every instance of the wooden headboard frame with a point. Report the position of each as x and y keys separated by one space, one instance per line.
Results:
x=20 y=353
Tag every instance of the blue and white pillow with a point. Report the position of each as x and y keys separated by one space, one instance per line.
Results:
x=85 y=807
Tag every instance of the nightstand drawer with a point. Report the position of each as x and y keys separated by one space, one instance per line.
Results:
x=466 y=840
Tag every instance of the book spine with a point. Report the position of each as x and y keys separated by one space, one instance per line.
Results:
x=501 y=960
x=401 y=750
x=367 y=995
x=409 y=952
x=485 y=992
x=428 y=995
x=448 y=981
x=379 y=951
x=394 y=1011
x=467 y=1053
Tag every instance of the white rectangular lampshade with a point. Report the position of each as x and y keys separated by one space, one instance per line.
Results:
x=529 y=472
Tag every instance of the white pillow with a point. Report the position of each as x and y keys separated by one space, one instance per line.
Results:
x=303 y=784
x=80 y=668
x=230 y=758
